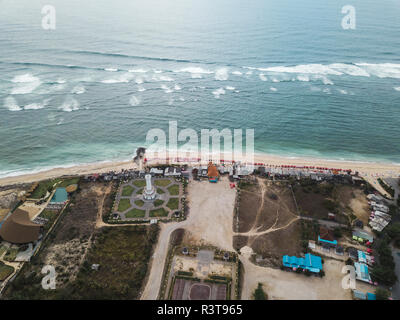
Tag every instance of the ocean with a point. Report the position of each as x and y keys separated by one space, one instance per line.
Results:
x=91 y=89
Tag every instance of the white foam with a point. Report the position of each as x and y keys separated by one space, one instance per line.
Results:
x=70 y=104
x=111 y=69
x=78 y=90
x=221 y=74
x=195 y=70
x=35 y=106
x=349 y=69
x=134 y=101
x=11 y=104
x=137 y=70
x=162 y=78
x=382 y=70
x=181 y=99
x=141 y=89
x=397 y=88
x=275 y=80
x=303 y=77
x=177 y=87
x=237 y=73
x=263 y=77
x=124 y=78
x=157 y=71
x=61 y=81
x=273 y=89
x=303 y=68
x=166 y=89
x=139 y=80
x=24 y=78
x=25 y=83
x=343 y=91
x=166 y=78
x=218 y=92
x=324 y=79
x=230 y=88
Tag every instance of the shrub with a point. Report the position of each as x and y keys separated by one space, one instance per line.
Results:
x=259 y=293
x=382 y=294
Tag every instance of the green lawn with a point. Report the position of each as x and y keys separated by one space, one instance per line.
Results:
x=173 y=203
x=140 y=191
x=123 y=205
x=127 y=191
x=67 y=182
x=174 y=190
x=5 y=271
x=135 y=213
x=51 y=216
x=158 y=213
x=158 y=203
x=160 y=191
x=43 y=187
x=47 y=185
x=11 y=254
x=139 y=183
x=162 y=182
x=139 y=203
x=2 y=250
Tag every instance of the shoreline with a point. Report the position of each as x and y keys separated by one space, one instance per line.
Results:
x=365 y=169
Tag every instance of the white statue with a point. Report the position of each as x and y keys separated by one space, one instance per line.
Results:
x=149 y=193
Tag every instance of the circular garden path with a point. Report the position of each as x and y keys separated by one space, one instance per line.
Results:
x=129 y=203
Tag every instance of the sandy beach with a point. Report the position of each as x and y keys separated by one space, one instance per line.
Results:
x=365 y=169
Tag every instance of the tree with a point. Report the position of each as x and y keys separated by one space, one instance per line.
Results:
x=259 y=293
x=382 y=294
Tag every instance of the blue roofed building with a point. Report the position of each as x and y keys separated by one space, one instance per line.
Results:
x=309 y=262
x=362 y=272
x=362 y=257
x=371 y=296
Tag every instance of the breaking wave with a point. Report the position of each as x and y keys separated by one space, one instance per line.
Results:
x=11 y=104
x=221 y=74
x=25 y=83
x=218 y=92
x=70 y=104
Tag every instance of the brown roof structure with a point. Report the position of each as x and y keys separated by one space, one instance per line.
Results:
x=212 y=171
x=326 y=234
x=18 y=228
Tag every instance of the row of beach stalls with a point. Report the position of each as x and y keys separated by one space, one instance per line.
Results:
x=380 y=216
x=226 y=165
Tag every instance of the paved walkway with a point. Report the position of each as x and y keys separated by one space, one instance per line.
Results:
x=148 y=206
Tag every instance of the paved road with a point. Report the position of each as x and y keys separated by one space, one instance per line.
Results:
x=159 y=258
x=326 y=223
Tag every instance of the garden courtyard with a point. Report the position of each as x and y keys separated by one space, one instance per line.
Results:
x=130 y=205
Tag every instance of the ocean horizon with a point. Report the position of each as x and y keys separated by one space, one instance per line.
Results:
x=90 y=90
